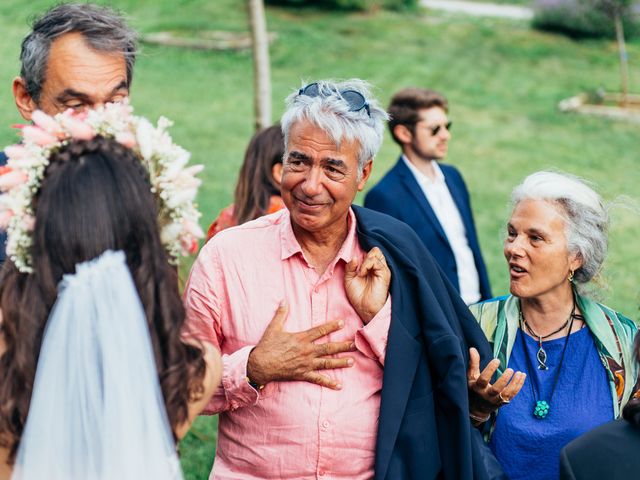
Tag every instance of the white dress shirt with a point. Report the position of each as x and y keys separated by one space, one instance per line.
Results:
x=441 y=201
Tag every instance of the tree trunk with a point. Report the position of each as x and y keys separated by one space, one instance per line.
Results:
x=624 y=61
x=261 y=69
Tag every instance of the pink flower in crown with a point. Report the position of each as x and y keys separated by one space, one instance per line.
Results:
x=5 y=217
x=82 y=115
x=34 y=134
x=12 y=178
x=16 y=152
x=181 y=197
x=193 y=249
x=77 y=128
x=145 y=136
x=188 y=244
x=192 y=228
x=47 y=123
x=28 y=222
x=186 y=178
x=170 y=233
x=79 y=115
x=189 y=236
x=127 y=139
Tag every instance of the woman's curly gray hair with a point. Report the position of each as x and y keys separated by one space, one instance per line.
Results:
x=586 y=217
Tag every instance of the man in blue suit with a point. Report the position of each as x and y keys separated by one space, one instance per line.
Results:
x=430 y=197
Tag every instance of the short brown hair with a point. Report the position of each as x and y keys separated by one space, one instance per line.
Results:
x=406 y=104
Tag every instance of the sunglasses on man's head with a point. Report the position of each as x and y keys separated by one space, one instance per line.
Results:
x=436 y=129
x=354 y=99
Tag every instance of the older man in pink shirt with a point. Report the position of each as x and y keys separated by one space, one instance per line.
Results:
x=302 y=315
x=291 y=407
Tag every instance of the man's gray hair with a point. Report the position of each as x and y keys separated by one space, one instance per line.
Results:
x=105 y=30
x=331 y=112
x=586 y=217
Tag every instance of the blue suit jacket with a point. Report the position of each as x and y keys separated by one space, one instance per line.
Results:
x=399 y=195
x=424 y=430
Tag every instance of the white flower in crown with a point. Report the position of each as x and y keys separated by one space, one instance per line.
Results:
x=173 y=183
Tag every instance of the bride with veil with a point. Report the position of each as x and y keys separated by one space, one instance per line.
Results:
x=96 y=379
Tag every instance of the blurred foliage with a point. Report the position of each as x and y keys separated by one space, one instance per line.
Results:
x=398 y=5
x=586 y=18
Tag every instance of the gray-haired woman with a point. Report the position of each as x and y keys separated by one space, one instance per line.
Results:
x=577 y=354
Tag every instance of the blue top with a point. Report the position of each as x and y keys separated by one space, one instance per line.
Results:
x=529 y=448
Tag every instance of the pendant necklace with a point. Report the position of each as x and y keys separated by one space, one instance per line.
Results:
x=541 y=356
x=542 y=407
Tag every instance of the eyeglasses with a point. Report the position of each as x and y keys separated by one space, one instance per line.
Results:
x=354 y=99
x=436 y=129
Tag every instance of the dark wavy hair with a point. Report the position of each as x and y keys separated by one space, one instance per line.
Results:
x=95 y=196
x=256 y=184
x=631 y=412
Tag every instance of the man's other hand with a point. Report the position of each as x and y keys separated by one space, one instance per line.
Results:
x=283 y=356
x=367 y=284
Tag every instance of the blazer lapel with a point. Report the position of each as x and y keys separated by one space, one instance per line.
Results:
x=402 y=354
x=416 y=192
x=401 y=361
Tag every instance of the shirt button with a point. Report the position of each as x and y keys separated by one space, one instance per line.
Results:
x=321 y=473
x=326 y=424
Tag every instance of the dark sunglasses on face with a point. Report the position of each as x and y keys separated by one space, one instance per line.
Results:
x=354 y=99
x=436 y=129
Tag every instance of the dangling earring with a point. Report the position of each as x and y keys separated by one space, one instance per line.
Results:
x=570 y=275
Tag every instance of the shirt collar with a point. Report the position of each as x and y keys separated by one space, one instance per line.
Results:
x=421 y=177
x=290 y=246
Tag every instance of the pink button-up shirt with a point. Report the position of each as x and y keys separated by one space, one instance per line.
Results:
x=289 y=430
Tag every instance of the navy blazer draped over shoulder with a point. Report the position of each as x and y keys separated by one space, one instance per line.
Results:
x=399 y=195
x=424 y=430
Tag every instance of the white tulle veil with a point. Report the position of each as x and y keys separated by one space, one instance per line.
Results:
x=97 y=411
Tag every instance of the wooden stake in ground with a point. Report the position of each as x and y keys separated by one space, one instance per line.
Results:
x=261 y=68
x=624 y=60
x=616 y=10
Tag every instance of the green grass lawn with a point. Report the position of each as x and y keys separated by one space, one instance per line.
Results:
x=503 y=81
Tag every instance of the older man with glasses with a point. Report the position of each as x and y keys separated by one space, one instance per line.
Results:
x=344 y=349
x=432 y=198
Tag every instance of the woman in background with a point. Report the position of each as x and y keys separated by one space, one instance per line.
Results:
x=576 y=353
x=258 y=189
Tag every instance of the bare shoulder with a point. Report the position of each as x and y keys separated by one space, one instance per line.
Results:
x=5 y=469
x=211 y=381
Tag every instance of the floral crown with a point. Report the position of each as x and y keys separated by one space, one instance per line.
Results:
x=172 y=182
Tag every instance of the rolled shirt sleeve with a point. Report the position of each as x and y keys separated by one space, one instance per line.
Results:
x=371 y=339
